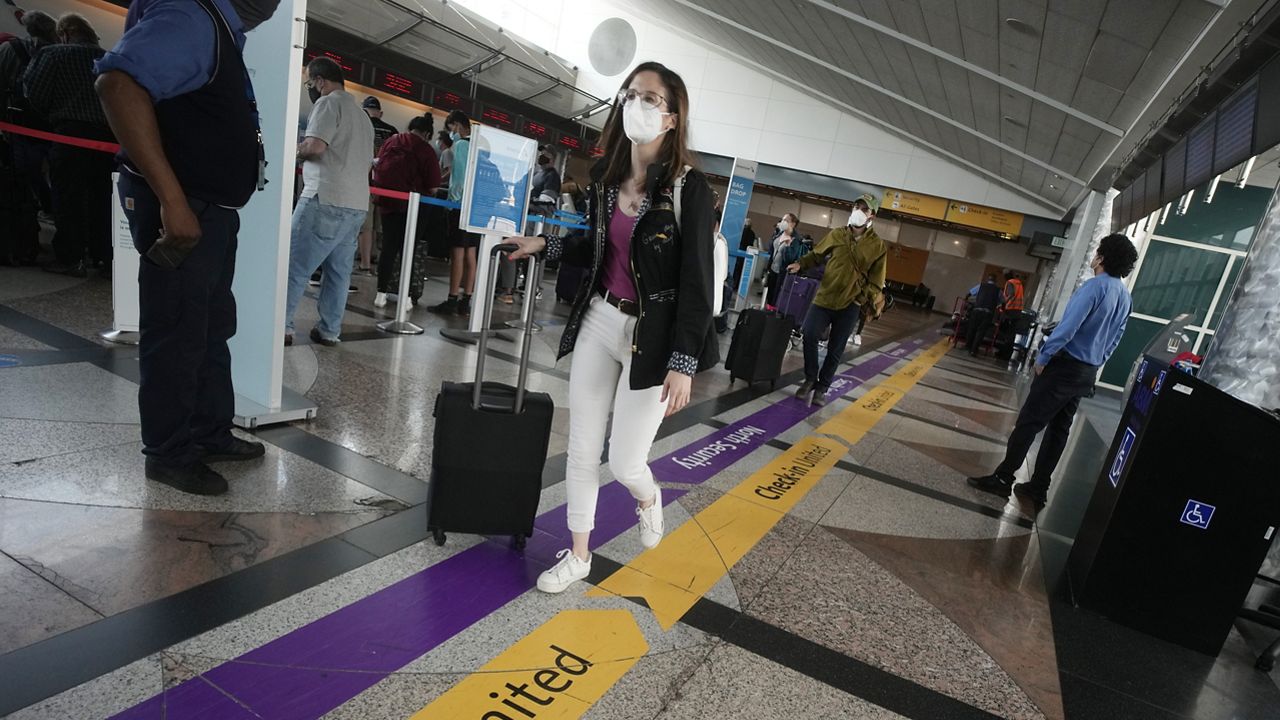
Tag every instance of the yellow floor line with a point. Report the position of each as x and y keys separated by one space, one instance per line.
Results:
x=566 y=665
x=695 y=556
x=557 y=671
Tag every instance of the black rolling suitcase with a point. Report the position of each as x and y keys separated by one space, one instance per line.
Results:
x=490 y=445
x=760 y=342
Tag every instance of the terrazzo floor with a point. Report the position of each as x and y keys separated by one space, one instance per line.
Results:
x=891 y=589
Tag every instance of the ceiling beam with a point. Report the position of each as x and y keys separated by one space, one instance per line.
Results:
x=1144 y=115
x=976 y=69
x=1064 y=174
x=847 y=107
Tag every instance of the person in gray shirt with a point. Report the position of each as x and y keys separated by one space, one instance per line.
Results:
x=336 y=153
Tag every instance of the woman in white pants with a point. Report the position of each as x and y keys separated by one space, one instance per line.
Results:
x=641 y=326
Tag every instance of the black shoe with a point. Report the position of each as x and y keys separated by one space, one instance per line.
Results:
x=352 y=289
x=288 y=339
x=76 y=270
x=805 y=389
x=993 y=483
x=1033 y=493
x=196 y=478
x=464 y=306
x=448 y=307
x=319 y=339
x=235 y=451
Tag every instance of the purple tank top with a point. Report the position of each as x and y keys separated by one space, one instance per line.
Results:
x=617 y=256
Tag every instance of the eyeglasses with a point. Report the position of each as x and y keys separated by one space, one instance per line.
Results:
x=650 y=99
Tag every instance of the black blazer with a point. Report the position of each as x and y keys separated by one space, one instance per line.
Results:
x=672 y=266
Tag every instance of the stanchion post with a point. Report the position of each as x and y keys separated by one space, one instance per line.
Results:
x=526 y=321
x=401 y=325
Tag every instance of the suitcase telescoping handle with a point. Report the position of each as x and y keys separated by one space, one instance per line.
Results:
x=526 y=315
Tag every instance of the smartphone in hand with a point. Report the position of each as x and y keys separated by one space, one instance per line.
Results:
x=167 y=256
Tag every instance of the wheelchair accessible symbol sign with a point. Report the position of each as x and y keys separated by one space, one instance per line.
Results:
x=1198 y=514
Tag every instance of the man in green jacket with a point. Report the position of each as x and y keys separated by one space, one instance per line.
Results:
x=855 y=272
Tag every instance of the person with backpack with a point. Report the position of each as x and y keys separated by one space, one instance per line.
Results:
x=855 y=260
x=407 y=163
x=641 y=326
x=29 y=154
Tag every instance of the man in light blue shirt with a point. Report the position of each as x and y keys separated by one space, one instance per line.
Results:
x=463 y=245
x=1090 y=330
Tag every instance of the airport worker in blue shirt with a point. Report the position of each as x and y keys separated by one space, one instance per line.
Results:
x=179 y=99
x=1090 y=330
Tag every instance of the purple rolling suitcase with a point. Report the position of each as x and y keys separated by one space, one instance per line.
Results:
x=796 y=296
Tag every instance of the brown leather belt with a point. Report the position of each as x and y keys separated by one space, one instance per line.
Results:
x=627 y=307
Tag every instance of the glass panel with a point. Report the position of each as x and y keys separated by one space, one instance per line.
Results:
x=1175 y=279
x=372 y=21
x=1234 y=214
x=1137 y=334
x=1227 y=293
x=431 y=45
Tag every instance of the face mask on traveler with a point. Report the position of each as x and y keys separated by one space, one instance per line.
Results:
x=454 y=136
x=643 y=124
x=783 y=226
x=313 y=92
x=253 y=13
x=858 y=218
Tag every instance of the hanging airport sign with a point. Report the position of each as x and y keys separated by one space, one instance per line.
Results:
x=909 y=203
x=984 y=218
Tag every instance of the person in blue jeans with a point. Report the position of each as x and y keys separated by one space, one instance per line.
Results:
x=337 y=153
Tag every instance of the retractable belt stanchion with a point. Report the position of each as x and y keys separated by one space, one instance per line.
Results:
x=401 y=325
x=532 y=286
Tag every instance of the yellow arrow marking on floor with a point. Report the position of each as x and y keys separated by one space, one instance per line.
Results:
x=557 y=671
x=692 y=559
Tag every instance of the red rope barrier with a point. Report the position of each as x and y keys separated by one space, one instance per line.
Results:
x=61 y=139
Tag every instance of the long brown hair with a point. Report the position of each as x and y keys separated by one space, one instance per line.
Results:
x=674 y=154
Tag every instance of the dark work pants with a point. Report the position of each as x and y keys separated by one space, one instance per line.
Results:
x=187 y=316
x=842 y=323
x=979 y=324
x=1050 y=406
x=82 y=199
x=29 y=156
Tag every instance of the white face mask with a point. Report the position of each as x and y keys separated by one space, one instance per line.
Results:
x=643 y=124
x=858 y=218
x=783 y=226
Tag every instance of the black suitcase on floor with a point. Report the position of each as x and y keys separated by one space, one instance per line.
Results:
x=760 y=342
x=490 y=446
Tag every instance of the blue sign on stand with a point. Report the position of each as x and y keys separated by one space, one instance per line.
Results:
x=1122 y=455
x=1197 y=514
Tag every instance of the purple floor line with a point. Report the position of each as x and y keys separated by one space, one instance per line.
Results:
x=322 y=665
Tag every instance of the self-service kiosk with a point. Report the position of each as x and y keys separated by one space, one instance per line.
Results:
x=1184 y=511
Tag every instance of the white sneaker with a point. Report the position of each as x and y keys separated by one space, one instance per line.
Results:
x=380 y=300
x=565 y=573
x=857 y=339
x=651 y=521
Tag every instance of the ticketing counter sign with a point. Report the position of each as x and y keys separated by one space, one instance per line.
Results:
x=984 y=218
x=909 y=203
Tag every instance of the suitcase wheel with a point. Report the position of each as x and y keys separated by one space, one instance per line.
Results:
x=439 y=536
x=519 y=541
